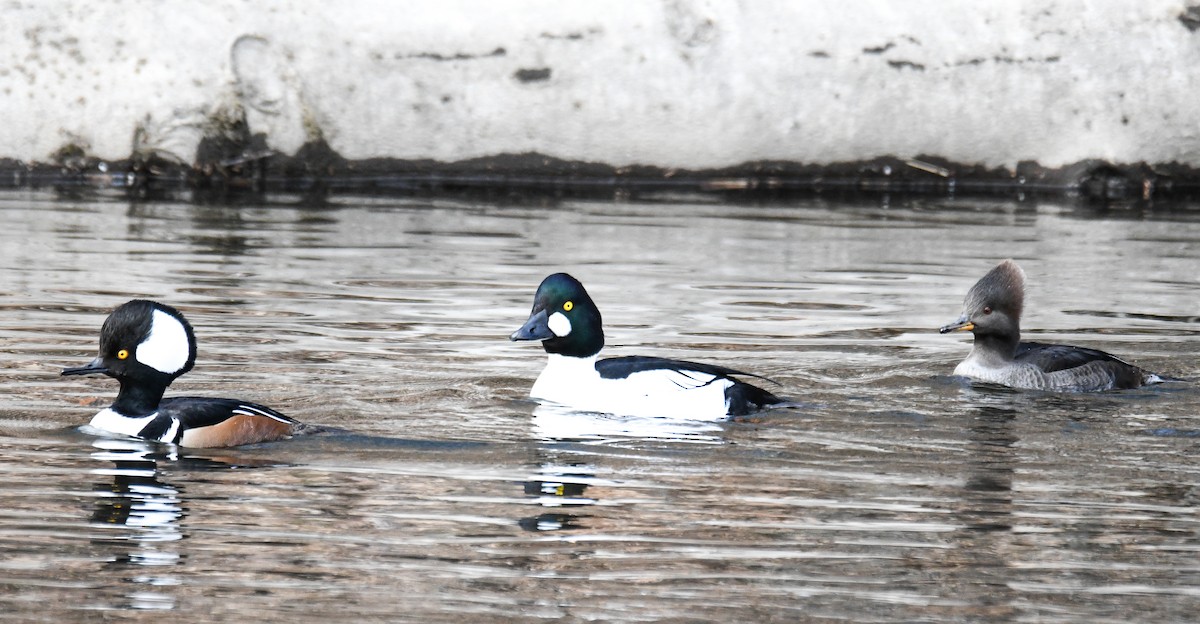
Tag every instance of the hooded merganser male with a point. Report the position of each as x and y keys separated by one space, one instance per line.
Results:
x=567 y=322
x=146 y=345
x=992 y=312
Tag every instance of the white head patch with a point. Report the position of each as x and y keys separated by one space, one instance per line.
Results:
x=559 y=324
x=166 y=349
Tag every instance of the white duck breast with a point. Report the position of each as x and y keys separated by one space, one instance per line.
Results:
x=111 y=421
x=575 y=383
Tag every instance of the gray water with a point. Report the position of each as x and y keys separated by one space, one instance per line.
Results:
x=897 y=492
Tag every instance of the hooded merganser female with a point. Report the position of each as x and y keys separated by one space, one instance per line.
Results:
x=146 y=345
x=568 y=323
x=992 y=312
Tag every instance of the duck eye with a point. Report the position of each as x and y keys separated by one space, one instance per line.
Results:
x=568 y=305
x=122 y=354
x=987 y=310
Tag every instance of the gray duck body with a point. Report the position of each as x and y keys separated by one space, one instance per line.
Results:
x=992 y=312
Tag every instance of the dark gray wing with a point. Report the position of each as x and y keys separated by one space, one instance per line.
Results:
x=1053 y=357
x=1080 y=368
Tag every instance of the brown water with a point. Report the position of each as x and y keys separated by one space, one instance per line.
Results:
x=897 y=493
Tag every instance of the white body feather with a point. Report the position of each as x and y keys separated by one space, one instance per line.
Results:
x=110 y=421
x=575 y=383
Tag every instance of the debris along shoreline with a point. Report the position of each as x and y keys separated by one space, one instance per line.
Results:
x=317 y=170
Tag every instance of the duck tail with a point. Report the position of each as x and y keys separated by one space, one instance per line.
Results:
x=744 y=399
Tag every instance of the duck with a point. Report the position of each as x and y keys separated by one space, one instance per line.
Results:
x=146 y=345
x=992 y=313
x=567 y=322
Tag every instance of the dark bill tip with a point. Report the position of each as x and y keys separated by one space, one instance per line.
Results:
x=960 y=325
x=95 y=367
x=536 y=328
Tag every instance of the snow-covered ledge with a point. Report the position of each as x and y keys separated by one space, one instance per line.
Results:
x=689 y=84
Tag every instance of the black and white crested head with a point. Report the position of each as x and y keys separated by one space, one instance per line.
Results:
x=148 y=334
x=564 y=318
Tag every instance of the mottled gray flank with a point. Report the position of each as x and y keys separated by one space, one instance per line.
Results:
x=1095 y=376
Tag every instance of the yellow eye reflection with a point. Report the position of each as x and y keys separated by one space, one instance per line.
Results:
x=568 y=305
x=122 y=354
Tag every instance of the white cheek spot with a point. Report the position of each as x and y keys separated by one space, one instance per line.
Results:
x=166 y=349
x=559 y=324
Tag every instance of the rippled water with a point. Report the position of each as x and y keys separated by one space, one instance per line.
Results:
x=897 y=492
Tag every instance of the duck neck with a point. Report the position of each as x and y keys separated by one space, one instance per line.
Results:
x=995 y=348
x=582 y=342
x=138 y=399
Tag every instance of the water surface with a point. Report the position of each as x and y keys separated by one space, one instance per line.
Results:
x=897 y=492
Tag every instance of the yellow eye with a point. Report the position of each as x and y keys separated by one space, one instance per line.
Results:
x=568 y=305
x=122 y=354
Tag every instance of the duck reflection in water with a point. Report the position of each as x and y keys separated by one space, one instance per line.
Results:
x=140 y=517
x=984 y=509
x=988 y=491
x=565 y=436
x=562 y=487
x=560 y=482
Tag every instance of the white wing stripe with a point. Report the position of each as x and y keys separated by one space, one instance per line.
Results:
x=249 y=410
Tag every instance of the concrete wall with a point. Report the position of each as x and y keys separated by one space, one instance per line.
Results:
x=672 y=83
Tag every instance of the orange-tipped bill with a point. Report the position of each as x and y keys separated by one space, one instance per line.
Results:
x=962 y=324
